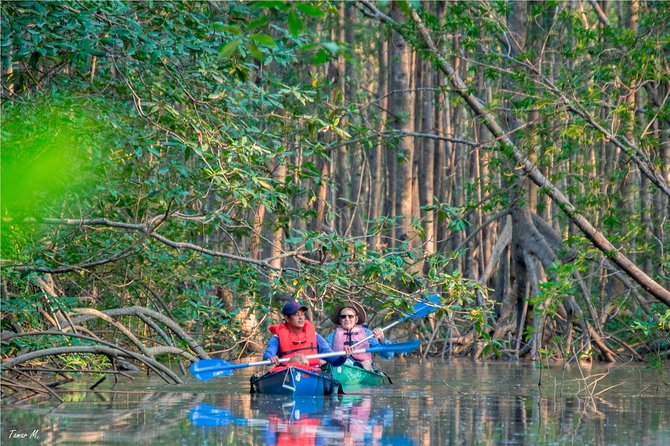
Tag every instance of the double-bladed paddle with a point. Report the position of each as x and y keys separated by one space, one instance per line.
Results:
x=206 y=369
x=420 y=309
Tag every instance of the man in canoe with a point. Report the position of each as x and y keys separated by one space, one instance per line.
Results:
x=296 y=339
x=349 y=319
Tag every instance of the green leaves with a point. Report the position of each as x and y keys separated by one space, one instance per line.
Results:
x=295 y=25
x=229 y=48
x=308 y=9
x=264 y=40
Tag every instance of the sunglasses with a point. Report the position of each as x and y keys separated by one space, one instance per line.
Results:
x=347 y=316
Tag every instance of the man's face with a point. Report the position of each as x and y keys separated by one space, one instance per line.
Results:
x=296 y=320
x=348 y=318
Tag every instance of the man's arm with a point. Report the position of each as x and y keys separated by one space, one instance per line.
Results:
x=272 y=348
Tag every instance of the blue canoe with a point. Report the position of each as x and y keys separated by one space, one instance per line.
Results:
x=294 y=381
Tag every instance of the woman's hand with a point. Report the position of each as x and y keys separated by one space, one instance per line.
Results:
x=379 y=334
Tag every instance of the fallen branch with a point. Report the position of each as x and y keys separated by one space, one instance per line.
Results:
x=110 y=352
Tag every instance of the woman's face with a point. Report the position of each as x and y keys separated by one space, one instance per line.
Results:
x=348 y=318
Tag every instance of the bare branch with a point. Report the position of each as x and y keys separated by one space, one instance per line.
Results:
x=599 y=11
x=157 y=367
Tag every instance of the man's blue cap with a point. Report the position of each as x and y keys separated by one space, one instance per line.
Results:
x=292 y=307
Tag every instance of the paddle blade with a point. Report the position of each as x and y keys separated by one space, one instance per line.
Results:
x=400 y=347
x=206 y=415
x=427 y=306
x=206 y=369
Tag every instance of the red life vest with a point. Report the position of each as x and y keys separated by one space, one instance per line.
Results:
x=294 y=433
x=344 y=337
x=291 y=344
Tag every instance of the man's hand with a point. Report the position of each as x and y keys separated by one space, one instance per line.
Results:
x=379 y=334
x=348 y=350
x=274 y=359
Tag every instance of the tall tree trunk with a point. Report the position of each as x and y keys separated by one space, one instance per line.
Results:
x=376 y=153
x=343 y=169
x=277 y=245
x=400 y=111
x=427 y=172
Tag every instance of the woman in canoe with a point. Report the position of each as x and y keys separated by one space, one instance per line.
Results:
x=296 y=338
x=349 y=319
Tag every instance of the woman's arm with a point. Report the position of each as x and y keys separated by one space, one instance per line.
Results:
x=374 y=342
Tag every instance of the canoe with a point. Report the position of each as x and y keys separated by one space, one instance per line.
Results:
x=350 y=375
x=294 y=381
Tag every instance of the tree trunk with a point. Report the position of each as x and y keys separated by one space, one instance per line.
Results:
x=399 y=112
x=376 y=153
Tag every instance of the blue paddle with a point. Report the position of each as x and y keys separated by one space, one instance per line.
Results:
x=212 y=416
x=420 y=309
x=206 y=369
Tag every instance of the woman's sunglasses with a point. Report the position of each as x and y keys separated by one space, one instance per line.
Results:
x=347 y=316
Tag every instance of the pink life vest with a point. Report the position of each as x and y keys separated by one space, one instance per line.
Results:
x=344 y=337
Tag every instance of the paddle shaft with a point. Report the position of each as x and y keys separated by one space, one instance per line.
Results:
x=421 y=309
x=268 y=362
x=206 y=369
x=393 y=324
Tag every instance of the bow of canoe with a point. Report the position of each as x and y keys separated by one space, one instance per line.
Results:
x=350 y=375
x=294 y=381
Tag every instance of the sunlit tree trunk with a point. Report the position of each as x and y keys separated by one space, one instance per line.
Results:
x=428 y=156
x=277 y=240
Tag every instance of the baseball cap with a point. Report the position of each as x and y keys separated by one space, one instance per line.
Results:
x=292 y=307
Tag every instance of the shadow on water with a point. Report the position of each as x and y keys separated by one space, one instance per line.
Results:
x=430 y=403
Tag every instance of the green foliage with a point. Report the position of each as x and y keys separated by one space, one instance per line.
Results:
x=174 y=116
x=170 y=120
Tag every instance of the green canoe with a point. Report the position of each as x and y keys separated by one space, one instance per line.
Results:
x=351 y=375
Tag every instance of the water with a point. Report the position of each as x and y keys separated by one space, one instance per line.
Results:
x=430 y=403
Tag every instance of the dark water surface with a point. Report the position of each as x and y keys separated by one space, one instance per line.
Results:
x=430 y=403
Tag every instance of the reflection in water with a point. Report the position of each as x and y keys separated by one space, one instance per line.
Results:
x=343 y=420
x=99 y=418
x=362 y=425
x=430 y=403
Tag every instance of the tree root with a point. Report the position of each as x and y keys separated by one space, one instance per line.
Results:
x=136 y=351
x=526 y=251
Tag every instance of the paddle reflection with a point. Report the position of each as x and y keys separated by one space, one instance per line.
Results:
x=343 y=420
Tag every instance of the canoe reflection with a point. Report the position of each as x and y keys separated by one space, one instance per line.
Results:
x=345 y=420
x=353 y=414
x=296 y=421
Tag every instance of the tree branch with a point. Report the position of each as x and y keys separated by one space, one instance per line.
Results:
x=142 y=227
